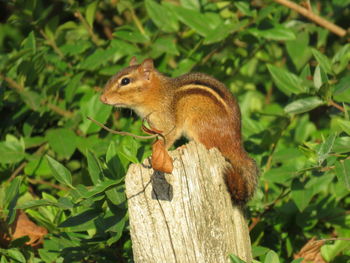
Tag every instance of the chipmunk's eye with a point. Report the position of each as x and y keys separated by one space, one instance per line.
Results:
x=125 y=81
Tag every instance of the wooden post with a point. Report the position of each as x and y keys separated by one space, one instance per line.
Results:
x=186 y=216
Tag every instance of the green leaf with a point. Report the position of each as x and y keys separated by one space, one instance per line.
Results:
x=342 y=86
x=128 y=149
x=36 y=203
x=90 y=13
x=72 y=86
x=81 y=218
x=191 y=4
x=342 y=90
x=65 y=203
x=184 y=66
x=235 y=259
x=342 y=144
x=320 y=183
x=95 y=109
x=298 y=260
x=301 y=195
x=12 y=150
x=35 y=141
x=303 y=105
x=223 y=30
x=31 y=98
x=194 y=19
x=344 y=125
x=164 y=45
x=61 y=173
x=298 y=49
x=94 y=167
x=258 y=251
x=322 y=60
x=113 y=162
x=62 y=141
x=162 y=16
x=271 y=257
x=278 y=32
x=329 y=252
x=15 y=254
x=281 y=175
x=306 y=72
x=320 y=77
x=99 y=188
x=121 y=48
x=287 y=82
x=326 y=148
x=30 y=42
x=304 y=129
x=12 y=191
x=343 y=172
x=244 y=8
x=37 y=166
x=11 y=197
x=75 y=49
x=341 y=59
x=116 y=50
x=116 y=195
x=131 y=34
x=96 y=59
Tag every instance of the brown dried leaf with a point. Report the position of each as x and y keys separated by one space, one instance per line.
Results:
x=311 y=251
x=23 y=226
x=161 y=160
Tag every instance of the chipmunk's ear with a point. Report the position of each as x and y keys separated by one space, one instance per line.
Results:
x=146 y=67
x=133 y=61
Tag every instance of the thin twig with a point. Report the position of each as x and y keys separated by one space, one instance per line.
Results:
x=88 y=27
x=137 y=21
x=268 y=207
x=255 y=221
x=274 y=146
x=19 y=88
x=313 y=17
x=17 y=171
x=60 y=111
x=122 y=133
x=13 y=84
x=52 y=43
x=335 y=105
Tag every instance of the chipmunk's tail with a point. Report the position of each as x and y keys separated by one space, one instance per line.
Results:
x=241 y=178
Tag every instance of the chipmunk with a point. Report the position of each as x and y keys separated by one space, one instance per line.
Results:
x=194 y=105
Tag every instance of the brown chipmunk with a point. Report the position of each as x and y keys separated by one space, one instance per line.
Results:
x=194 y=105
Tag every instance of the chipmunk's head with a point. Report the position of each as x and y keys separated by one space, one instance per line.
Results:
x=132 y=86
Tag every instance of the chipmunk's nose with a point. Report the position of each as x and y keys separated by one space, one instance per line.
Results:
x=103 y=98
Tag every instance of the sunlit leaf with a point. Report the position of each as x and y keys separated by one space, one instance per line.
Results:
x=61 y=173
x=303 y=105
x=287 y=82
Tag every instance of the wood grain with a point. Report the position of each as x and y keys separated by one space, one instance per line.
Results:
x=186 y=216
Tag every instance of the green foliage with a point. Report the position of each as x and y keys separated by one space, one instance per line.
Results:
x=290 y=77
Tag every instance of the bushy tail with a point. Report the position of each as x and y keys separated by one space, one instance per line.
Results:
x=241 y=178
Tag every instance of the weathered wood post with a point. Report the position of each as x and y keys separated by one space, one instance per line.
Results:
x=186 y=216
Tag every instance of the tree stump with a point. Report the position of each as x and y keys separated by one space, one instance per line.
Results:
x=186 y=216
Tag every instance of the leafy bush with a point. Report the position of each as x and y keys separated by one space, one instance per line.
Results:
x=290 y=76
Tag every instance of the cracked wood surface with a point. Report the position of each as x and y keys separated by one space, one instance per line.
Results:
x=186 y=216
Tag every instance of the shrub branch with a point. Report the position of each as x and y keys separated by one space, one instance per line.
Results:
x=19 y=88
x=94 y=38
x=313 y=17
